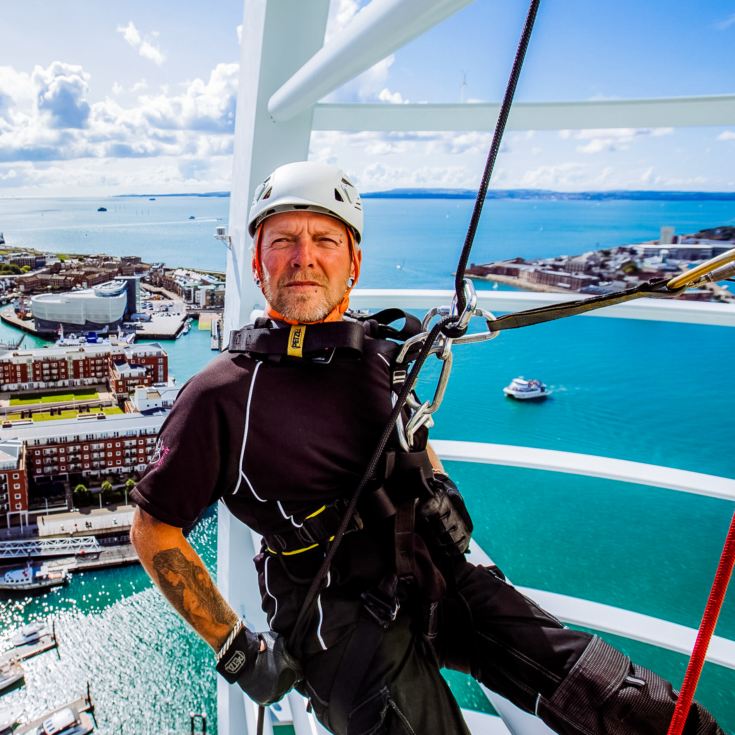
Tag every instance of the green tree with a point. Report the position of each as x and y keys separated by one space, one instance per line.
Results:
x=82 y=496
x=25 y=269
x=129 y=485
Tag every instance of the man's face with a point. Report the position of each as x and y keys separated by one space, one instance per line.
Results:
x=306 y=263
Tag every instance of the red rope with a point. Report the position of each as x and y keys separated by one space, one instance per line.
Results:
x=706 y=629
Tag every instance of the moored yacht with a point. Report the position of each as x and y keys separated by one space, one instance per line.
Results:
x=526 y=390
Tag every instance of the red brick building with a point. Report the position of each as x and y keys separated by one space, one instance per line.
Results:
x=13 y=479
x=60 y=367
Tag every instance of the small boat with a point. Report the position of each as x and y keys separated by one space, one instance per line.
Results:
x=11 y=676
x=74 y=718
x=8 y=722
x=191 y=216
x=525 y=390
x=31 y=633
x=101 y=209
x=32 y=578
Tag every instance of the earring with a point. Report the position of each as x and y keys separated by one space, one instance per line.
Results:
x=350 y=282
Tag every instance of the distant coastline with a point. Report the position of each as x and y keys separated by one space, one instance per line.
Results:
x=544 y=194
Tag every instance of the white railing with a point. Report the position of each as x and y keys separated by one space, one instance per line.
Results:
x=662 y=310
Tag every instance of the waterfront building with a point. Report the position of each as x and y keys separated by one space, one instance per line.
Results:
x=13 y=479
x=83 y=365
x=201 y=290
x=147 y=399
x=85 y=449
x=689 y=249
x=96 y=308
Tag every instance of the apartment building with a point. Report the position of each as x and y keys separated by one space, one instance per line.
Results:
x=86 y=448
x=13 y=479
x=61 y=367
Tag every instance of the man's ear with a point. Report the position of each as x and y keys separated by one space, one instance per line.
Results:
x=356 y=257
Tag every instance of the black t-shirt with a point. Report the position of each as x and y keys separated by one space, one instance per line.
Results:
x=275 y=441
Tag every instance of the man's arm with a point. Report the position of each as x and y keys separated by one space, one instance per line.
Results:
x=259 y=663
x=179 y=573
x=436 y=463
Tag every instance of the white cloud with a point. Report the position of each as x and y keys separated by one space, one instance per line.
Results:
x=206 y=106
x=45 y=116
x=394 y=98
x=599 y=140
x=726 y=23
x=61 y=91
x=341 y=13
x=563 y=176
x=144 y=46
x=726 y=135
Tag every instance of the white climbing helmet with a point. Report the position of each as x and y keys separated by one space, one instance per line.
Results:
x=310 y=186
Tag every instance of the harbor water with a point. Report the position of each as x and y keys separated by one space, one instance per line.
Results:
x=638 y=390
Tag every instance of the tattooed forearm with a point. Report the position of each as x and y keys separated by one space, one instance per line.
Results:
x=189 y=588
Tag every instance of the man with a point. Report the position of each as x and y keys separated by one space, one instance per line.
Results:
x=283 y=435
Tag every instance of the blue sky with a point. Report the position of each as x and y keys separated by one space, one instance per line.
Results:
x=102 y=98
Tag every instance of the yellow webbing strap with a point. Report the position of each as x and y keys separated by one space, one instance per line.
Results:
x=295 y=551
x=311 y=515
x=296 y=340
x=693 y=274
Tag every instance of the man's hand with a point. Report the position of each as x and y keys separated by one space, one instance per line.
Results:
x=260 y=664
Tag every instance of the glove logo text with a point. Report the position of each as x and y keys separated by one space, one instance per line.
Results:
x=235 y=663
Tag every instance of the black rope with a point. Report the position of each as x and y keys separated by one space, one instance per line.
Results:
x=492 y=155
x=315 y=587
x=443 y=326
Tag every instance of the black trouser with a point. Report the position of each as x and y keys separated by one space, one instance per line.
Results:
x=573 y=681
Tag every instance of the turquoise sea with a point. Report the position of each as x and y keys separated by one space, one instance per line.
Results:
x=645 y=391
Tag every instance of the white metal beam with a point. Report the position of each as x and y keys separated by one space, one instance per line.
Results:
x=278 y=37
x=663 y=310
x=622 y=470
x=376 y=31
x=643 y=113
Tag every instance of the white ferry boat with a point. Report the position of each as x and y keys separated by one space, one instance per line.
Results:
x=33 y=578
x=526 y=390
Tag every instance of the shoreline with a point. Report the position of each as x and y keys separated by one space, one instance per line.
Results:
x=521 y=285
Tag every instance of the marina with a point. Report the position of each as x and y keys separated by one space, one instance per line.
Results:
x=73 y=718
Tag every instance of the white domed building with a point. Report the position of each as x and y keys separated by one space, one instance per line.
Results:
x=89 y=309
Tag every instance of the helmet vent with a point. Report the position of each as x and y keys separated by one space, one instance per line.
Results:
x=301 y=206
x=267 y=193
x=338 y=196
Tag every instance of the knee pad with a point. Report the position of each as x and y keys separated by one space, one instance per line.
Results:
x=605 y=692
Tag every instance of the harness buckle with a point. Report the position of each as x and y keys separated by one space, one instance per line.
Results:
x=382 y=611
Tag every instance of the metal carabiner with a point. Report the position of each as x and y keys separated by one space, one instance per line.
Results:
x=422 y=416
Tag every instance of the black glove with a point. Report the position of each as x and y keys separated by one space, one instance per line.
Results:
x=444 y=519
x=265 y=676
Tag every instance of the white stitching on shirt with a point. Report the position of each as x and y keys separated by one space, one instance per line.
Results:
x=321 y=615
x=267 y=589
x=243 y=476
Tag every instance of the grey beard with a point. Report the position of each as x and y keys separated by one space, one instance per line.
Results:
x=297 y=312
